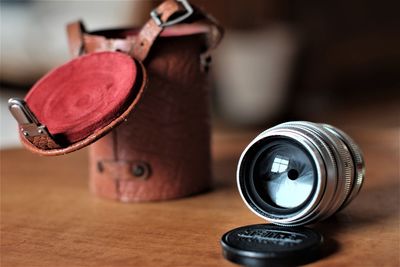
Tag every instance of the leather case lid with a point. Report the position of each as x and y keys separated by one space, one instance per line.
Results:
x=81 y=98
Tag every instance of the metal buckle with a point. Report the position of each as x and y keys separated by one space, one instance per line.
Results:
x=30 y=126
x=188 y=12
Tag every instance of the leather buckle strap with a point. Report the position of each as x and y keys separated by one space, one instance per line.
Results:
x=168 y=13
x=75 y=32
x=152 y=29
x=31 y=128
x=157 y=17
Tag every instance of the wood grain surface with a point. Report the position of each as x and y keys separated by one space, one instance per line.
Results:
x=48 y=217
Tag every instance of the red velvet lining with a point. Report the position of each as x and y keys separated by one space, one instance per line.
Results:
x=83 y=95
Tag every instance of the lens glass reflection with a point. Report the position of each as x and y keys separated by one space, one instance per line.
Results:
x=284 y=175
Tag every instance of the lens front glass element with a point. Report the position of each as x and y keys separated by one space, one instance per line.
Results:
x=284 y=174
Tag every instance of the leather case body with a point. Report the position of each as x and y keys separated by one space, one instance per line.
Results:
x=162 y=151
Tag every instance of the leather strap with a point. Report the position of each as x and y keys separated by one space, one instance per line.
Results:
x=150 y=31
x=124 y=170
x=139 y=45
x=75 y=31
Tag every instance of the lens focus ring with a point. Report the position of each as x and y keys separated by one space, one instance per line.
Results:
x=358 y=162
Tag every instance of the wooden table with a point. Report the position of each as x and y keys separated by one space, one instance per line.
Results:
x=48 y=217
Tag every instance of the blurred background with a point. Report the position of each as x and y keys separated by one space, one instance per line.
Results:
x=330 y=61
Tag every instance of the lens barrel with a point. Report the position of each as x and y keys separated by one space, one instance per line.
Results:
x=300 y=172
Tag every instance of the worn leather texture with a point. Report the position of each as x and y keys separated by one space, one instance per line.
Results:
x=43 y=142
x=167 y=136
x=162 y=151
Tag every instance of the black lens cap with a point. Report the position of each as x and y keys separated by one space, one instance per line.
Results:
x=271 y=245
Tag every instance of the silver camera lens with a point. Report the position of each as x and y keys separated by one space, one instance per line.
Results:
x=300 y=172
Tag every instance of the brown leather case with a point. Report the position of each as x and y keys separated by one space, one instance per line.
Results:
x=159 y=147
x=162 y=150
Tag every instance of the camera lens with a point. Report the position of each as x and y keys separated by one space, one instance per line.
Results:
x=300 y=172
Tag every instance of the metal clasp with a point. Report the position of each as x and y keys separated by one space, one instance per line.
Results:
x=30 y=126
x=157 y=17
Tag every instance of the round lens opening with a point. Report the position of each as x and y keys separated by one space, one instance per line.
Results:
x=293 y=174
x=283 y=174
